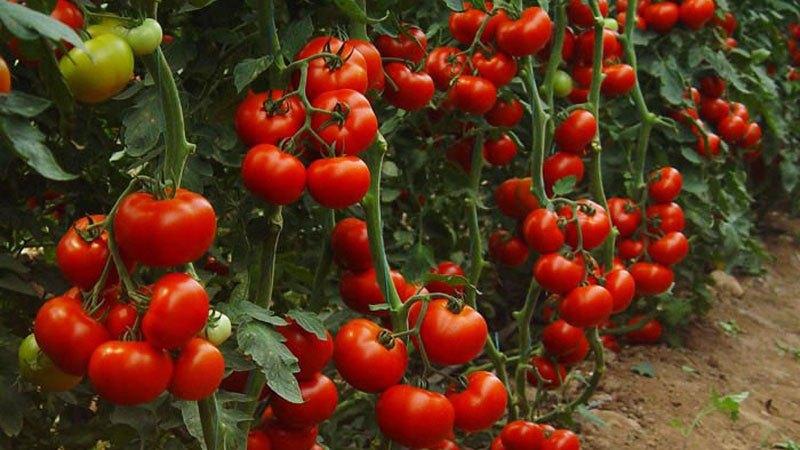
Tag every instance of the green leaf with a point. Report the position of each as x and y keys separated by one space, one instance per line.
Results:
x=22 y=104
x=275 y=361
x=591 y=417
x=13 y=283
x=729 y=404
x=242 y=311
x=28 y=24
x=143 y=419
x=454 y=5
x=249 y=69
x=354 y=11
x=564 y=186
x=144 y=123
x=28 y=142
x=190 y=414
x=8 y=262
x=294 y=37
x=644 y=369
x=691 y=155
x=389 y=169
x=419 y=261
x=14 y=404
x=310 y=322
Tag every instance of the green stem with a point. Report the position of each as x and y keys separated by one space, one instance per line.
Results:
x=317 y=300
x=552 y=67
x=524 y=318
x=265 y=10
x=358 y=30
x=632 y=327
x=539 y=120
x=209 y=419
x=263 y=289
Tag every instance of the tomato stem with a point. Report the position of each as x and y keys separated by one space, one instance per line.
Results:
x=266 y=18
x=539 y=119
x=552 y=67
x=524 y=318
x=317 y=300
x=262 y=295
x=358 y=29
x=632 y=327
x=209 y=419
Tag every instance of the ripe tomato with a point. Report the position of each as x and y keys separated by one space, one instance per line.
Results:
x=5 y=77
x=262 y=119
x=522 y=435
x=257 y=440
x=666 y=217
x=414 y=417
x=505 y=113
x=557 y=274
x=120 y=319
x=622 y=20
x=359 y=290
x=319 y=401
x=350 y=244
x=728 y=23
x=553 y=374
x=67 y=334
x=576 y=131
x=710 y=148
x=712 y=86
x=40 y=370
x=630 y=248
x=177 y=311
x=649 y=334
x=375 y=76
x=752 y=137
x=464 y=25
x=350 y=126
x=661 y=17
x=665 y=184
x=625 y=215
x=473 y=95
x=619 y=79
x=580 y=14
x=443 y=64
x=578 y=96
x=446 y=268
x=166 y=232
x=696 y=13
x=497 y=444
x=362 y=345
x=445 y=445
x=714 y=109
x=526 y=35
x=507 y=249
x=541 y=231
x=610 y=343
x=562 y=440
x=100 y=70
x=328 y=73
x=290 y=439
x=671 y=249
x=129 y=373
x=498 y=68
x=612 y=48
x=68 y=14
x=312 y=353
x=500 y=151
x=198 y=370
x=524 y=197
x=407 y=89
x=739 y=109
x=732 y=129
x=587 y=306
x=506 y=198
x=566 y=343
x=651 y=278
x=561 y=165
x=338 y=182
x=482 y=402
x=582 y=74
x=622 y=287
x=445 y=324
x=410 y=43
x=81 y=261
x=593 y=221
x=275 y=176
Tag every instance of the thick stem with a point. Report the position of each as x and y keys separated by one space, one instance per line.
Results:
x=266 y=263
x=209 y=419
x=317 y=300
x=539 y=120
x=358 y=30
x=265 y=10
x=552 y=67
x=524 y=318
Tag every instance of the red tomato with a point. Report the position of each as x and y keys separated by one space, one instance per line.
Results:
x=473 y=95
x=312 y=353
x=443 y=64
x=5 y=77
x=375 y=75
x=542 y=232
x=622 y=287
x=82 y=261
x=507 y=249
x=290 y=439
x=338 y=182
x=319 y=401
x=622 y=20
x=625 y=215
x=198 y=370
x=696 y=13
x=610 y=343
x=732 y=129
x=752 y=137
x=68 y=14
x=481 y=404
x=257 y=440
x=67 y=334
x=619 y=79
x=165 y=232
x=651 y=279
x=464 y=25
x=562 y=440
x=649 y=334
x=739 y=109
x=444 y=324
x=522 y=435
x=359 y=290
x=177 y=311
x=445 y=445
x=499 y=68
x=578 y=96
x=561 y=165
x=714 y=109
x=275 y=176
x=612 y=48
x=712 y=86
x=526 y=35
x=587 y=306
x=406 y=89
x=728 y=23
x=446 y=268
x=350 y=126
x=349 y=71
x=129 y=373
x=506 y=198
x=630 y=248
x=414 y=417
x=553 y=374
x=505 y=113
x=500 y=151
x=665 y=184
x=666 y=217
x=593 y=221
x=120 y=319
x=411 y=44
x=661 y=17
x=710 y=148
x=557 y=274
x=525 y=198
x=671 y=249
x=350 y=244
x=576 y=132
x=362 y=345
x=460 y=153
x=497 y=444
x=580 y=13
x=564 y=342
x=567 y=50
x=266 y=118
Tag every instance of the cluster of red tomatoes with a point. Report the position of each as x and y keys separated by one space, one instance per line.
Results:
x=663 y=16
x=793 y=42
x=134 y=343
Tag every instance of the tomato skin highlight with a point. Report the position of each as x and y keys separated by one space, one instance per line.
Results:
x=5 y=77
x=661 y=17
x=358 y=349
x=481 y=404
x=522 y=435
x=258 y=121
x=414 y=417
x=198 y=370
x=338 y=182
x=695 y=14
x=442 y=326
x=622 y=287
x=178 y=310
x=129 y=373
x=665 y=185
x=651 y=278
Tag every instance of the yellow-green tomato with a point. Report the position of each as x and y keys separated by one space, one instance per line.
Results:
x=106 y=26
x=562 y=84
x=218 y=329
x=145 y=38
x=100 y=71
x=39 y=369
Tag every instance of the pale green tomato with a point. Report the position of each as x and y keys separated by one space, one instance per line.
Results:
x=143 y=39
x=39 y=369
x=99 y=72
x=611 y=24
x=562 y=84
x=218 y=328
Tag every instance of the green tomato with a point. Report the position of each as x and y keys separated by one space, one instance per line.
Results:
x=218 y=328
x=611 y=24
x=39 y=369
x=562 y=84
x=145 y=38
x=100 y=71
x=107 y=26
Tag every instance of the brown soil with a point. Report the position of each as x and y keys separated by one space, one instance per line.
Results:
x=638 y=411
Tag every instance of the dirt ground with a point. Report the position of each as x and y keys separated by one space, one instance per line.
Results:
x=640 y=412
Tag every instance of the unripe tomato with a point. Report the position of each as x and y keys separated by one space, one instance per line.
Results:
x=666 y=217
x=445 y=324
x=649 y=334
x=696 y=13
x=665 y=184
x=198 y=370
x=507 y=249
x=443 y=64
x=620 y=79
x=576 y=131
x=40 y=370
x=562 y=84
x=375 y=77
x=651 y=278
x=593 y=221
x=498 y=68
x=350 y=126
x=100 y=70
x=500 y=151
x=522 y=435
x=5 y=77
x=473 y=95
x=622 y=287
x=414 y=417
x=580 y=13
x=275 y=176
x=566 y=343
x=218 y=328
x=362 y=345
x=312 y=353
x=561 y=165
x=542 y=232
x=732 y=129
x=178 y=310
x=553 y=374
x=587 y=306
x=670 y=249
x=612 y=48
x=359 y=290
x=505 y=113
x=526 y=35
x=262 y=119
x=129 y=373
x=410 y=43
x=625 y=215
x=557 y=274
x=349 y=71
x=350 y=245
x=338 y=182
x=406 y=89
x=143 y=39
x=661 y=17
x=446 y=268
x=319 y=401
x=482 y=402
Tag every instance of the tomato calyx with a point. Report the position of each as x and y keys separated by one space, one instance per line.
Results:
x=92 y=231
x=387 y=339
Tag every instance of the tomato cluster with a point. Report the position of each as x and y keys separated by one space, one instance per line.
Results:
x=793 y=44
x=661 y=17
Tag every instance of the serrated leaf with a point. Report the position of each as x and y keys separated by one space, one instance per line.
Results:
x=249 y=69
x=242 y=311
x=295 y=36
x=28 y=142
x=389 y=169
x=729 y=404
x=564 y=186
x=353 y=10
x=275 y=361
x=144 y=123
x=310 y=322
x=644 y=369
x=22 y=104
x=691 y=155
x=27 y=24
x=190 y=414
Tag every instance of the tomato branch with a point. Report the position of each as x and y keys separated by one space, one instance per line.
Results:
x=524 y=318
x=317 y=299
